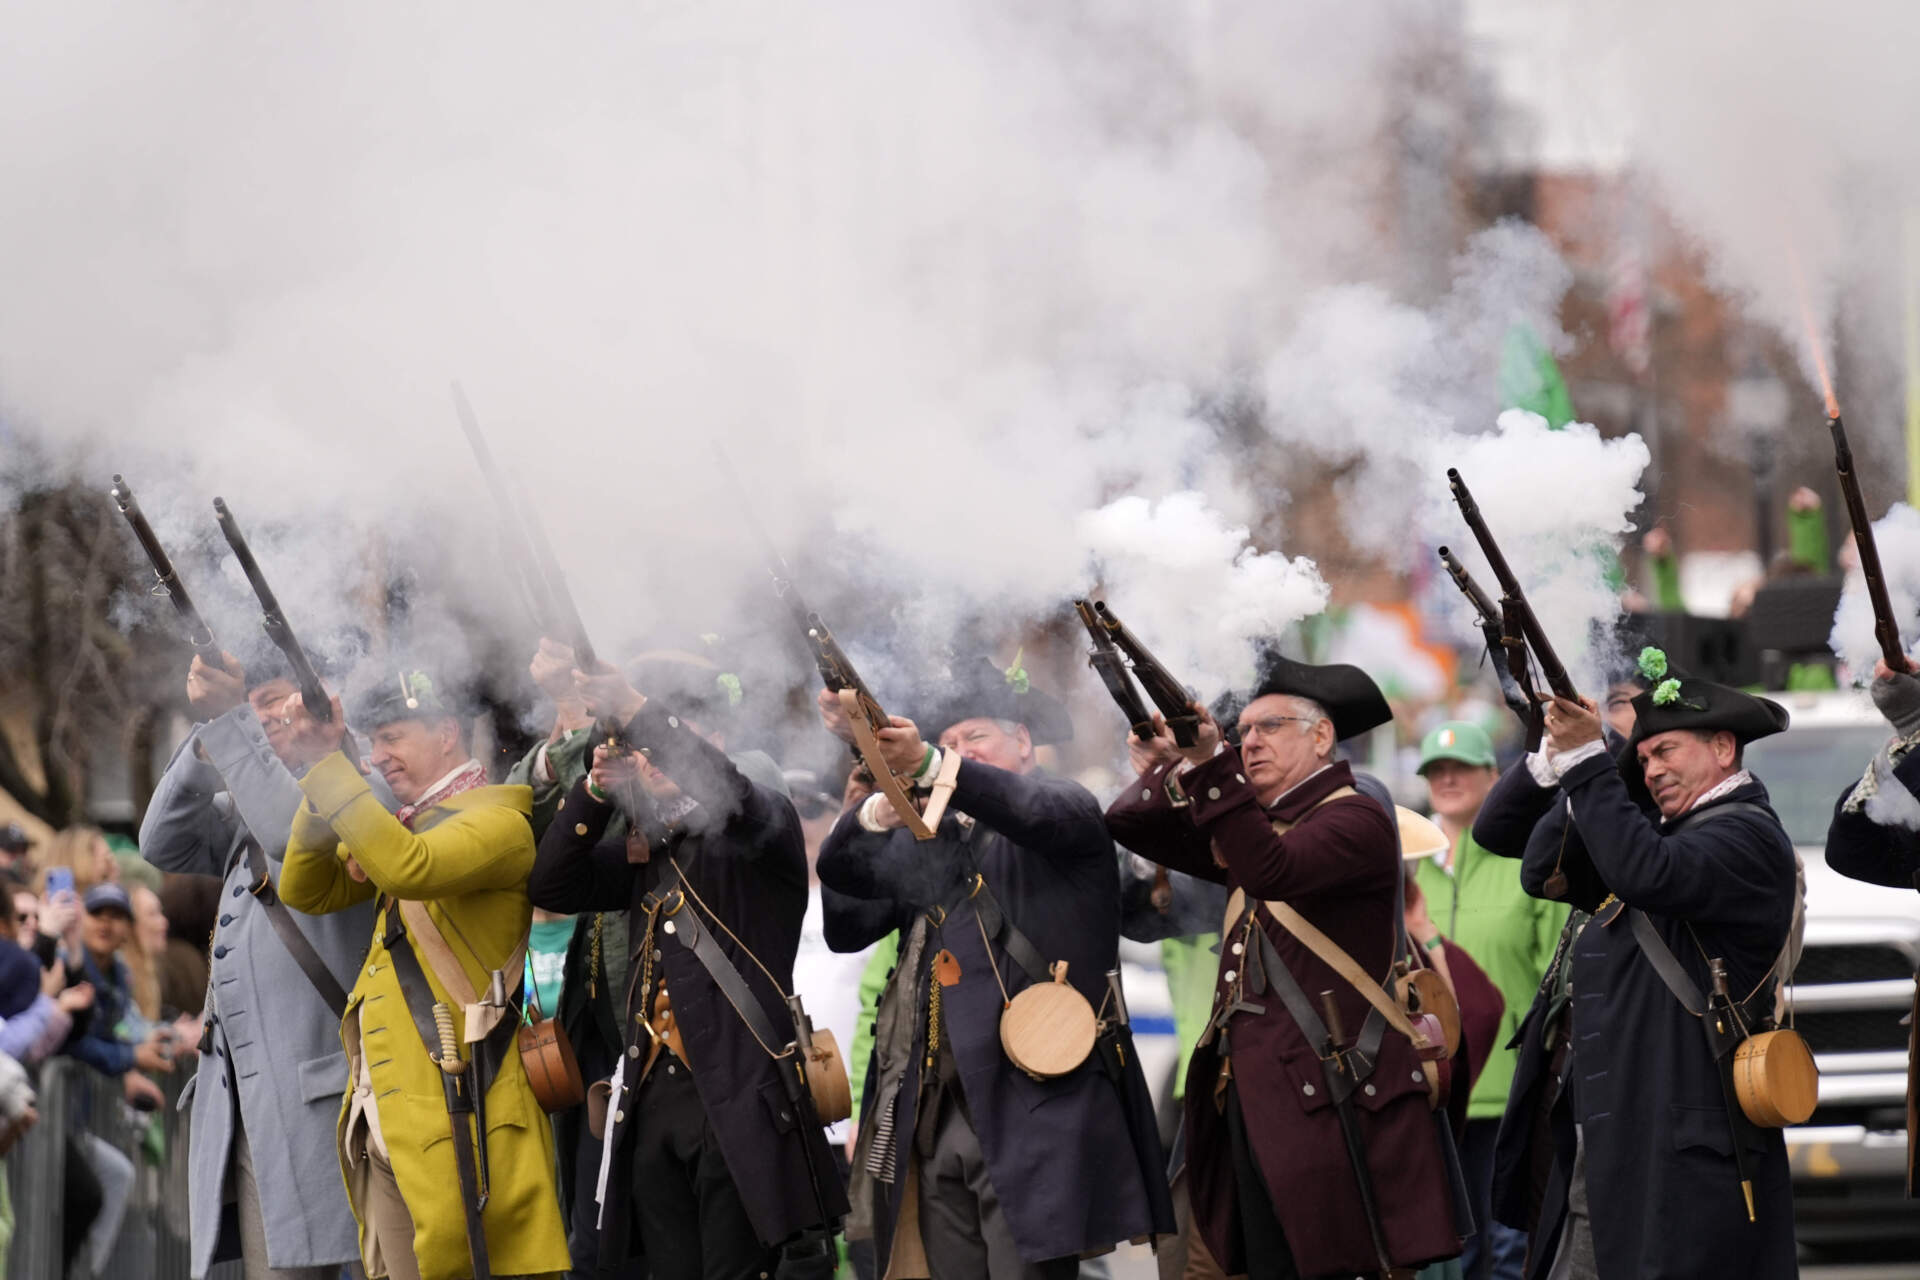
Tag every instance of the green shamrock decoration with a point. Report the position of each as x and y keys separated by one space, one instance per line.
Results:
x=731 y=683
x=1653 y=663
x=1017 y=674
x=1666 y=692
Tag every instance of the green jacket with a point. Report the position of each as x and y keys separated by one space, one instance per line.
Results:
x=1479 y=904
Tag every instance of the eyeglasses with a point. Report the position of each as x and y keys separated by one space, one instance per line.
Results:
x=1267 y=726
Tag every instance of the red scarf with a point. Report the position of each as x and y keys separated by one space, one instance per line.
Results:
x=471 y=775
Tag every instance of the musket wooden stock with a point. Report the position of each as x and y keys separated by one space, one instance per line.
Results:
x=1885 y=629
x=1512 y=599
x=167 y=581
x=1112 y=668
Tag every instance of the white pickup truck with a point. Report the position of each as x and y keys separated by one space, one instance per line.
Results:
x=1853 y=986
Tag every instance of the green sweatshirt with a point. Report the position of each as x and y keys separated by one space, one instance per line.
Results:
x=1807 y=540
x=1478 y=903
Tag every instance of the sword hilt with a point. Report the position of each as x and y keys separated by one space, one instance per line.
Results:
x=449 y=1060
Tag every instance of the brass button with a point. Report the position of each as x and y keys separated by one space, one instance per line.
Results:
x=579 y=828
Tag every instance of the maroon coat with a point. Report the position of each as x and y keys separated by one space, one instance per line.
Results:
x=1339 y=867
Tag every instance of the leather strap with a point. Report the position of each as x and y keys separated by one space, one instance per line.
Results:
x=1366 y=1050
x=686 y=928
x=1000 y=928
x=1655 y=948
x=481 y=1019
x=297 y=944
x=469 y=1145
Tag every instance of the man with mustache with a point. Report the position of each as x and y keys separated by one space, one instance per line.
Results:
x=1673 y=1178
x=447 y=874
x=1274 y=1184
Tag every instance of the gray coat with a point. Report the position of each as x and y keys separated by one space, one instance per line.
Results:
x=275 y=1045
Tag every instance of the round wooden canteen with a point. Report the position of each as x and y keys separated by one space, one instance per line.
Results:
x=1049 y=1028
x=1775 y=1078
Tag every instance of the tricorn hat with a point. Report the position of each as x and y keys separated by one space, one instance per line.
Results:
x=982 y=689
x=401 y=695
x=1675 y=700
x=1352 y=700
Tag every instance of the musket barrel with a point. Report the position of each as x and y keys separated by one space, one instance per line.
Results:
x=1886 y=630
x=273 y=621
x=168 y=583
x=1513 y=599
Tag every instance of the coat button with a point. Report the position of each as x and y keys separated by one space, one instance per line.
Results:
x=1239 y=947
x=656 y=954
x=667 y=927
x=619 y=1117
x=579 y=828
x=1239 y=777
x=1213 y=793
x=219 y=953
x=1371 y=1091
x=1419 y=1077
x=1307 y=1089
x=225 y=918
x=673 y=722
x=239 y=889
x=1230 y=975
x=1146 y=793
x=786 y=1117
x=633 y=1051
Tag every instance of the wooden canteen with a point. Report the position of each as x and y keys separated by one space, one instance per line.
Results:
x=1775 y=1078
x=1048 y=1029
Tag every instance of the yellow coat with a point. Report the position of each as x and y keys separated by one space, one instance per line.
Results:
x=468 y=861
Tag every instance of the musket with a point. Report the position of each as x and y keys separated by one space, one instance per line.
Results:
x=541 y=580
x=1172 y=697
x=1501 y=648
x=1513 y=601
x=273 y=621
x=1113 y=671
x=1885 y=629
x=1723 y=1039
x=1106 y=660
x=166 y=581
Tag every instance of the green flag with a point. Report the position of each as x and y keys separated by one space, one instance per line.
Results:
x=1530 y=379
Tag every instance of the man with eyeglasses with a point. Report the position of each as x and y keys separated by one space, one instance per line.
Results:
x=1275 y=1167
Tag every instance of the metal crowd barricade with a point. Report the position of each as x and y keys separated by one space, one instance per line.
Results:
x=152 y=1244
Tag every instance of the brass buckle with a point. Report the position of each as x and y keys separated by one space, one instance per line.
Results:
x=937 y=914
x=660 y=905
x=979 y=883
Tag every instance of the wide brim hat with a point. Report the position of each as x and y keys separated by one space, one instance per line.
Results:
x=984 y=690
x=1420 y=836
x=1352 y=700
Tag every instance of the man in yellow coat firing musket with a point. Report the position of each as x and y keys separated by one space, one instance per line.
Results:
x=430 y=1023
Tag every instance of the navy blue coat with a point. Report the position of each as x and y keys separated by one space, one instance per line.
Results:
x=1662 y=1187
x=1059 y=1152
x=743 y=853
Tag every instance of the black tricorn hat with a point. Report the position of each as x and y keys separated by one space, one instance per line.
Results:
x=1352 y=700
x=690 y=683
x=981 y=689
x=1704 y=705
x=401 y=695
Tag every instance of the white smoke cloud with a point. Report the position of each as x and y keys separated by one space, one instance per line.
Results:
x=1897 y=537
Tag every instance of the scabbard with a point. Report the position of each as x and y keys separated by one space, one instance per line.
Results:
x=458 y=1087
x=1339 y=1088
